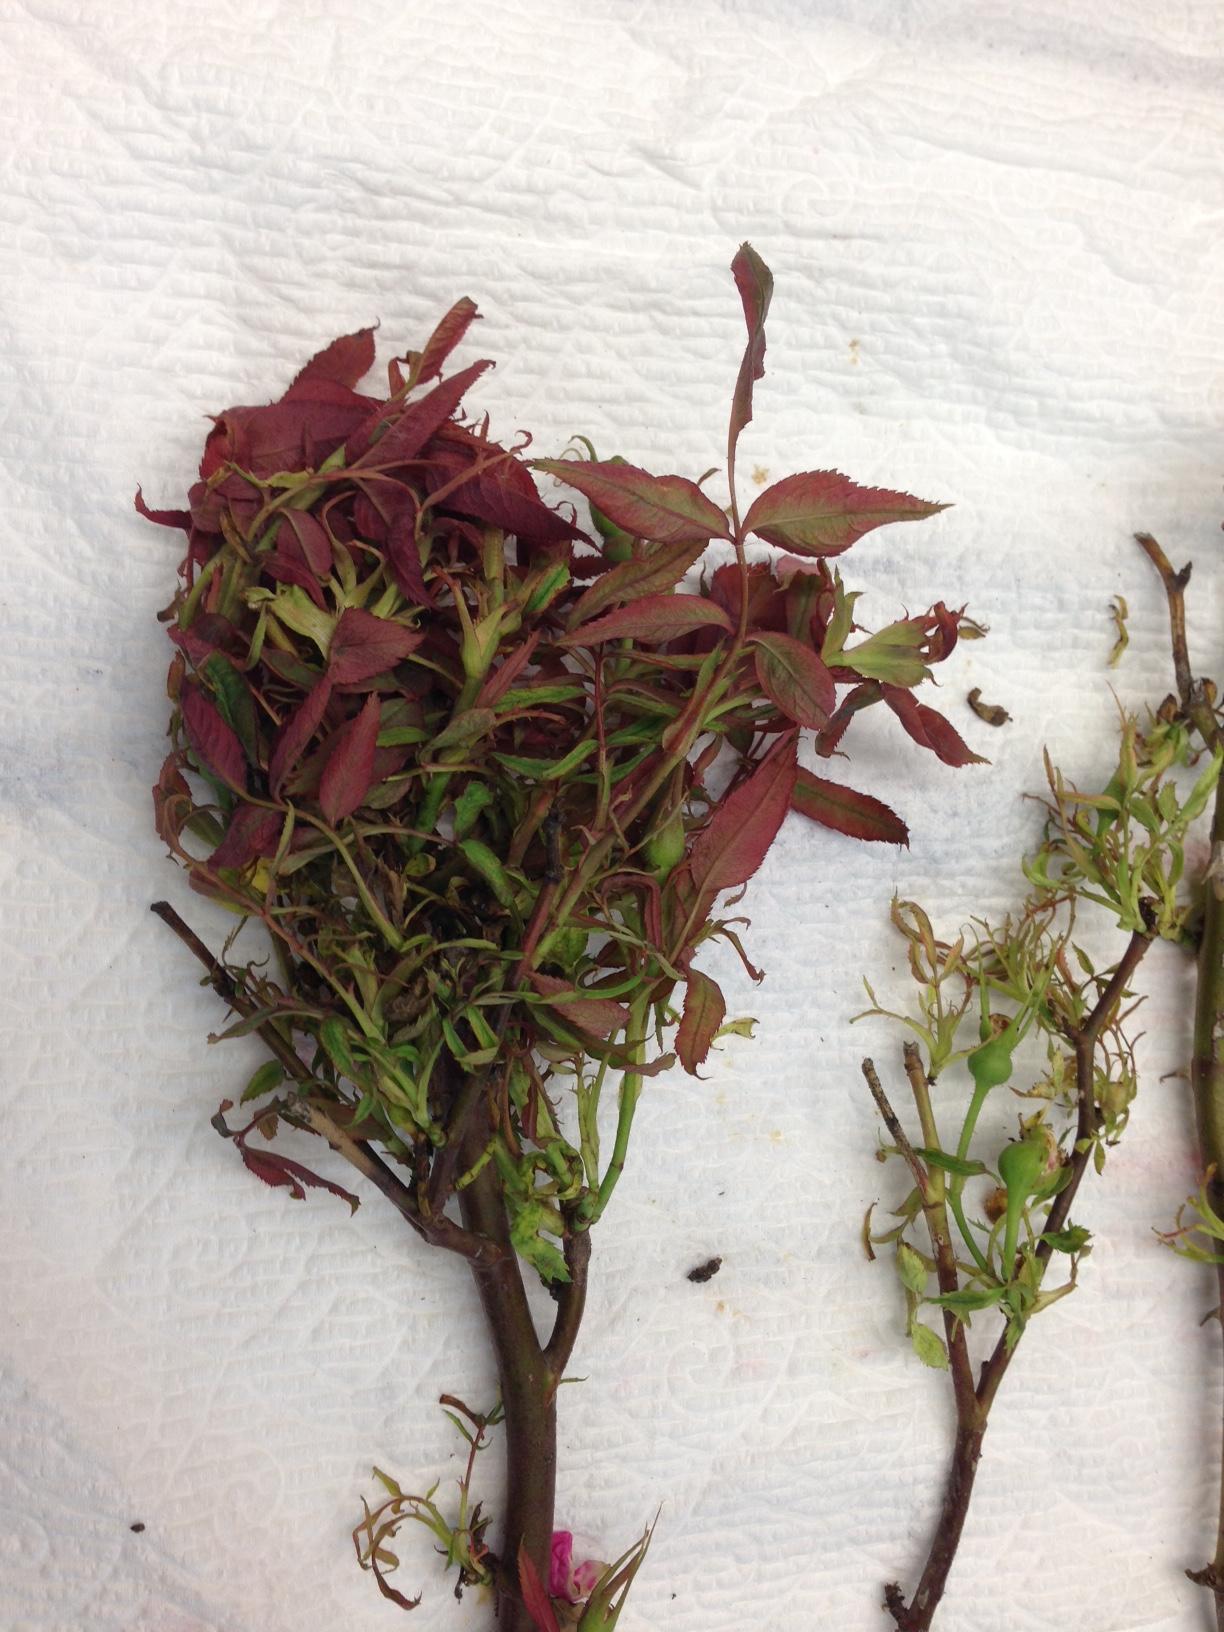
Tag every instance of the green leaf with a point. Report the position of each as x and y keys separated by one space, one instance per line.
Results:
x=334 y=1037
x=525 y=1236
x=270 y=1075
x=547 y=770
x=235 y=704
x=1073 y=1239
x=969 y=1302
x=465 y=729
x=929 y=1347
x=952 y=1164
x=468 y=806
x=893 y=653
x=298 y=612
x=911 y=1268
x=481 y=858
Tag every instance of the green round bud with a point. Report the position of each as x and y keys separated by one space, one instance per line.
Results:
x=991 y=1065
x=1023 y=1165
x=664 y=848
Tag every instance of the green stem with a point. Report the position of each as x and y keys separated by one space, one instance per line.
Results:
x=957 y=1184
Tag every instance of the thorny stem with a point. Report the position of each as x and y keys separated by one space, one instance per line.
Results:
x=1207 y=1060
x=973 y=1403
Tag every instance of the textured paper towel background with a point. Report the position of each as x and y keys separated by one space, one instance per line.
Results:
x=997 y=249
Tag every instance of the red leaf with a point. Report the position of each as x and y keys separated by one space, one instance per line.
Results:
x=489 y=496
x=285 y=435
x=349 y=771
x=163 y=518
x=292 y=569
x=598 y=1015
x=653 y=619
x=296 y=735
x=405 y=557
x=411 y=429
x=754 y=281
x=667 y=509
x=284 y=1172
x=535 y=1599
x=344 y=362
x=446 y=337
x=856 y=814
x=503 y=677
x=311 y=537
x=363 y=646
x=794 y=678
x=705 y=1009
x=214 y=743
x=744 y=825
x=251 y=832
x=822 y=512
x=929 y=729
x=654 y=572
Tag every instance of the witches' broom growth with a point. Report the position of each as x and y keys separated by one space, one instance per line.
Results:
x=985 y=1238
x=482 y=775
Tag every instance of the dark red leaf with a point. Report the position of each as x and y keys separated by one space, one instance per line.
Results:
x=794 y=678
x=446 y=337
x=252 y=832
x=745 y=823
x=653 y=619
x=349 y=771
x=536 y=1600
x=754 y=281
x=859 y=698
x=651 y=573
x=311 y=537
x=705 y=1009
x=822 y=512
x=296 y=736
x=667 y=509
x=292 y=569
x=411 y=429
x=489 y=497
x=856 y=814
x=503 y=677
x=344 y=362
x=363 y=646
x=282 y=1172
x=163 y=518
x=405 y=557
x=284 y=436
x=213 y=742
x=929 y=729
x=598 y=1015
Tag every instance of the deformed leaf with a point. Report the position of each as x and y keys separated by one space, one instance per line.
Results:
x=754 y=281
x=449 y=332
x=667 y=509
x=857 y=815
x=344 y=362
x=536 y=1600
x=284 y=1172
x=822 y=512
x=705 y=1009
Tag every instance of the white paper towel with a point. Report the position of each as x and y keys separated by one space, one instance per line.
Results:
x=996 y=241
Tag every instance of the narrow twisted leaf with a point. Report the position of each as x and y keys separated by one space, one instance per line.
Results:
x=929 y=728
x=449 y=332
x=754 y=281
x=297 y=735
x=822 y=512
x=598 y=1015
